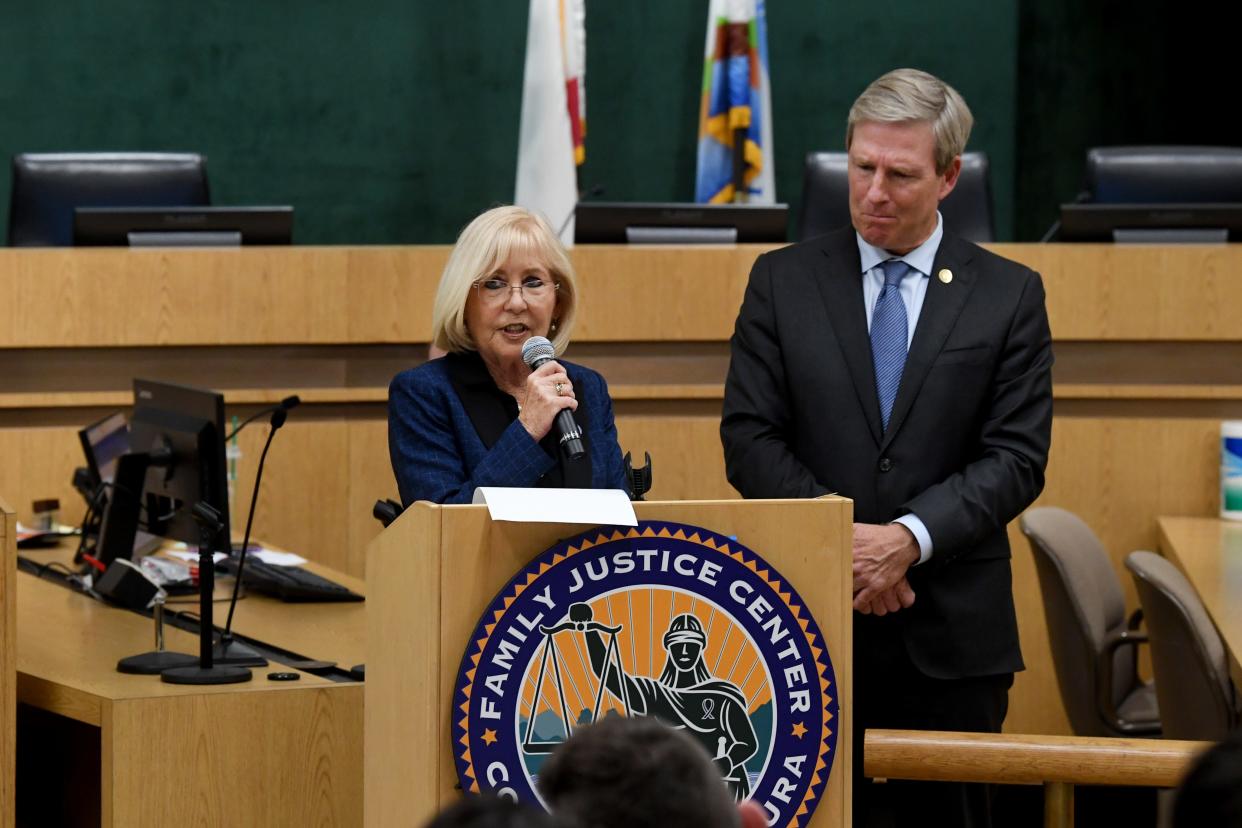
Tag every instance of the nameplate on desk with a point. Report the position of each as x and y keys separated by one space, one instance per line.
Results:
x=523 y=505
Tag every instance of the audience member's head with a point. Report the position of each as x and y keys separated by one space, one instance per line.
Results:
x=1211 y=793
x=489 y=811
x=635 y=772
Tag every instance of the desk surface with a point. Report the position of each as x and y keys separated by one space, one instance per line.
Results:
x=293 y=750
x=1209 y=551
x=325 y=632
x=72 y=643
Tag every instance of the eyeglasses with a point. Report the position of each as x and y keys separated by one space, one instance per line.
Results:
x=496 y=291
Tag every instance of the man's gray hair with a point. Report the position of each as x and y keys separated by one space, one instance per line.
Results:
x=913 y=95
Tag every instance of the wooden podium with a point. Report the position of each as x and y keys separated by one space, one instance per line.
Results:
x=433 y=573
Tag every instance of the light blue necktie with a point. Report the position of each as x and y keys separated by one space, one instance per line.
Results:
x=889 y=334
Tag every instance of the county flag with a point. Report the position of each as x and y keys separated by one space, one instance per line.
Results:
x=550 y=138
x=736 y=110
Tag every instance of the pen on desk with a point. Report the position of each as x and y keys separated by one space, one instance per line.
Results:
x=95 y=562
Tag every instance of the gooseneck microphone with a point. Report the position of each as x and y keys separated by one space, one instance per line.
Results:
x=288 y=403
x=535 y=352
x=229 y=650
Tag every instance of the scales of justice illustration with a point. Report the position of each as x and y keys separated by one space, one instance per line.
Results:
x=686 y=695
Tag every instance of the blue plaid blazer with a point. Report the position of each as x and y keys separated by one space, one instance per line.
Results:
x=437 y=454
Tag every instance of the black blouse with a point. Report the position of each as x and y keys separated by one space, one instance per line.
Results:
x=491 y=411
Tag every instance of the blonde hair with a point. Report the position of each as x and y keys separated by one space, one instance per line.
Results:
x=488 y=242
x=913 y=95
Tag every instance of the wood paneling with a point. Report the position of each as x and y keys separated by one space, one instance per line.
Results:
x=1146 y=338
x=1137 y=292
x=405 y=708
x=421 y=621
x=287 y=758
x=100 y=297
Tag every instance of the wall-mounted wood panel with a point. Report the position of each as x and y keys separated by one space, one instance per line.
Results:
x=1148 y=355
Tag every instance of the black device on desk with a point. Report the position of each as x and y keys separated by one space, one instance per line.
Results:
x=288 y=583
x=104 y=443
x=174 y=458
x=616 y=222
x=197 y=226
x=172 y=481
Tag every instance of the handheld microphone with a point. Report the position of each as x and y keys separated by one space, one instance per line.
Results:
x=535 y=352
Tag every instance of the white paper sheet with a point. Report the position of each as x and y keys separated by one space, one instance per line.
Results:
x=271 y=556
x=594 y=506
x=192 y=557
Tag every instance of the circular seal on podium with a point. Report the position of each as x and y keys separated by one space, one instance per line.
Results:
x=664 y=620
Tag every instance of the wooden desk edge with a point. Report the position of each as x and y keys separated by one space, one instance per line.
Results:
x=60 y=699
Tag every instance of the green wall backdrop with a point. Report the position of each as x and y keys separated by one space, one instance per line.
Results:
x=395 y=121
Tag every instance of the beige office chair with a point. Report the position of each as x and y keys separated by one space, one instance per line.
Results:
x=1197 y=697
x=1094 y=648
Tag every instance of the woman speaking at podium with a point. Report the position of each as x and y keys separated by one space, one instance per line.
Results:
x=480 y=416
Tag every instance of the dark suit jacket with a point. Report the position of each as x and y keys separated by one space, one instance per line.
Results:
x=438 y=455
x=967 y=440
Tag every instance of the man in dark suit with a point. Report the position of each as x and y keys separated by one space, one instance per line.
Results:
x=909 y=370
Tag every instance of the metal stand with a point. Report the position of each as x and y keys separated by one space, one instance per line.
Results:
x=159 y=660
x=207 y=671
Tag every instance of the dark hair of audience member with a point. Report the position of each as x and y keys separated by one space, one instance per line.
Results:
x=1211 y=793
x=635 y=772
x=490 y=811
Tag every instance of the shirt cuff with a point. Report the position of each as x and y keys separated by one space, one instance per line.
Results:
x=919 y=530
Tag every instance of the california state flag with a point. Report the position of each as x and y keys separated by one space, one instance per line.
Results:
x=553 y=112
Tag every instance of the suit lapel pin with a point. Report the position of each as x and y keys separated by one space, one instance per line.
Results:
x=945 y=275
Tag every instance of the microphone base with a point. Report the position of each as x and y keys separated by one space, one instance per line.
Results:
x=155 y=662
x=217 y=674
x=231 y=651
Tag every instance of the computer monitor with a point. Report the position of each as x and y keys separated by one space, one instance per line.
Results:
x=614 y=222
x=175 y=460
x=182 y=226
x=103 y=443
x=1151 y=223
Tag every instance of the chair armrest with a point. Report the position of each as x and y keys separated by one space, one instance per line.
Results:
x=1105 y=683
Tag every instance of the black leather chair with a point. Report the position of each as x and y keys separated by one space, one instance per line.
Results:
x=47 y=186
x=1154 y=194
x=967 y=210
x=1163 y=175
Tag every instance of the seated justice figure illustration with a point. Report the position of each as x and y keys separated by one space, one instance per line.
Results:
x=686 y=696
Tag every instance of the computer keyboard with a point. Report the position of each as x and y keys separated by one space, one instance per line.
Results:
x=290 y=583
